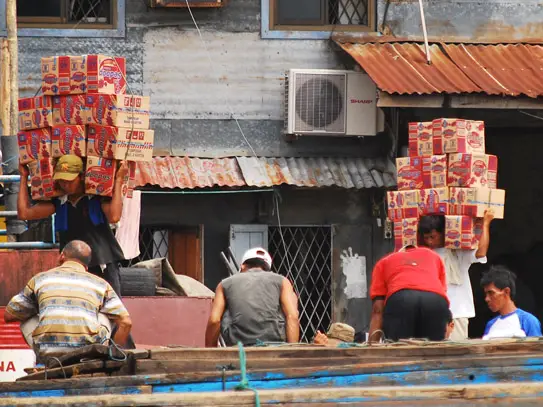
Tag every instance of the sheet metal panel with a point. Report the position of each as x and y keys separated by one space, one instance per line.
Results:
x=189 y=173
x=497 y=69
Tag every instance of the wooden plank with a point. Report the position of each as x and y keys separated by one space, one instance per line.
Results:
x=397 y=350
x=74 y=370
x=211 y=381
x=303 y=365
x=481 y=393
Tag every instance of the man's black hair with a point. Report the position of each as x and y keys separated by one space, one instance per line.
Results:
x=432 y=222
x=257 y=263
x=449 y=316
x=501 y=277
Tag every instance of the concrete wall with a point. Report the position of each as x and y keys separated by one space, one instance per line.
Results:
x=324 y=206
x=464 y=20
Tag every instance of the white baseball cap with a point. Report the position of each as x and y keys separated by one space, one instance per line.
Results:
x=257 y=253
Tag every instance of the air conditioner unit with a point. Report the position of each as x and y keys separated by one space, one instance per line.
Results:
x=323 y=102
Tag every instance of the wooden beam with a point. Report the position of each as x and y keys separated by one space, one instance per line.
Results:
x=11 y=26
x=473 y=101
x=509 y=392
x=4 y=95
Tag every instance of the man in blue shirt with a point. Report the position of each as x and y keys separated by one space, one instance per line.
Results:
x=499 y=286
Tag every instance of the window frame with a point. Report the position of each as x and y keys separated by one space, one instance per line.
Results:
x=115 y=30
x=269 y=30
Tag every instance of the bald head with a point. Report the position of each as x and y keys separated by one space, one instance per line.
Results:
x=79 y=251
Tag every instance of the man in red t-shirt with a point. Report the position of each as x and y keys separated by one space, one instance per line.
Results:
x=409 y=294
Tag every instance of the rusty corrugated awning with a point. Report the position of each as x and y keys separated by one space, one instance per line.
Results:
x=401 y=68
x=189 y=173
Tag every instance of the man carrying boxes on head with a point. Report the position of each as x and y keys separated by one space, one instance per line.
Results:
x=431 y=231
x=80 y=216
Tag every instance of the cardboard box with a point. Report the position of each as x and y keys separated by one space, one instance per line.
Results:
x=68 y=139
x=458 y=136
x=434 y=171
x=106 y=75
x=462 y=232
x=475 y=201
x=434 y=201
x=403 y=204
x=100 y=176
x=42 y=186
x=64 y=75
x=405 y=232
x=420 y=139
x=35 y=113
x=129 y=182
x=409 y=171
x=69 y=109
x=472 y=170
x=118 y=110
x=34 y=145
x=113 y=142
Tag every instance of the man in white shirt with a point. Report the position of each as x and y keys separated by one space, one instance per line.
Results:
x=512 y=322
x=431 y=231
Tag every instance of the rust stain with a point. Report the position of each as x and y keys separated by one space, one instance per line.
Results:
x=503 y=69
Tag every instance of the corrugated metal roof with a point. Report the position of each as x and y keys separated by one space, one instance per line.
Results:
x=189 y=173
x=317 y=172
x=501 y=69
x=401 y=68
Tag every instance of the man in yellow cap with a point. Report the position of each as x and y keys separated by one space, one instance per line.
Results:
x=81 y=217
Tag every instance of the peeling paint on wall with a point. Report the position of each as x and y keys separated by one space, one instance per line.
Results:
x=353 y=267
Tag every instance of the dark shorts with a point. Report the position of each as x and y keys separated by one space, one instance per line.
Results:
x=415 y=314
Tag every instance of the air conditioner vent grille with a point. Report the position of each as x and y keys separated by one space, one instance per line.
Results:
x=320 y=102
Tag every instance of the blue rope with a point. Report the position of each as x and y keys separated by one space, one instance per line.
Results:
x=244 y=383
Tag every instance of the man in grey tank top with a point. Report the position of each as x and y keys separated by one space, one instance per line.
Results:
x=262 y=305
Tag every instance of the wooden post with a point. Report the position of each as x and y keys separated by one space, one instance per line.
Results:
x=11 y=24
x=9 y=141
x=5 y=101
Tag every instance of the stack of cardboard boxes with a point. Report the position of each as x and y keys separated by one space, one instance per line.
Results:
x=447 y=173
x=84 y=111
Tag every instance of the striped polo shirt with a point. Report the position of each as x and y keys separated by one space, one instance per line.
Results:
x=67 y=300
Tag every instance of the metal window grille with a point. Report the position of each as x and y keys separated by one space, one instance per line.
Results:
x=153 y=244
x=303 y=254
x=89 y=11
x=348 y=12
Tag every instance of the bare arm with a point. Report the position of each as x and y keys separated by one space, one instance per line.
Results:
x=8 y=317
x=113 y=209
x=376 y=323
x=289 y=305
x=124 y=325
x=213 y=329
x=484 y=241
x=25 y=211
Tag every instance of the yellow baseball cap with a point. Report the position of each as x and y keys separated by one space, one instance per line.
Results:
x=68 y=167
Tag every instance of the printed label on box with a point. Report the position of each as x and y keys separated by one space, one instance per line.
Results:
x=100 y=176
x=69 y=139
x=34 y=145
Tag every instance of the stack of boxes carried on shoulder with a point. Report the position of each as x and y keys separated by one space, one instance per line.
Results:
x=447 y=173
x=84 y=110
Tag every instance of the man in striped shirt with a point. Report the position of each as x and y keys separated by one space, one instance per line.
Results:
x=67 y=301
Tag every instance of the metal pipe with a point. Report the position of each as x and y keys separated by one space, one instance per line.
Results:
x=27 y=245
x=4 y=232
x=425 y=33
x=10 y=178
x=8 y=214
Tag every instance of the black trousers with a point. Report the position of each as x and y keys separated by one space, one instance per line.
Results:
x=112 y=275
x=415 y=314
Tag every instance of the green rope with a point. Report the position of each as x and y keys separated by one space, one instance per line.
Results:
x=244 y=383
